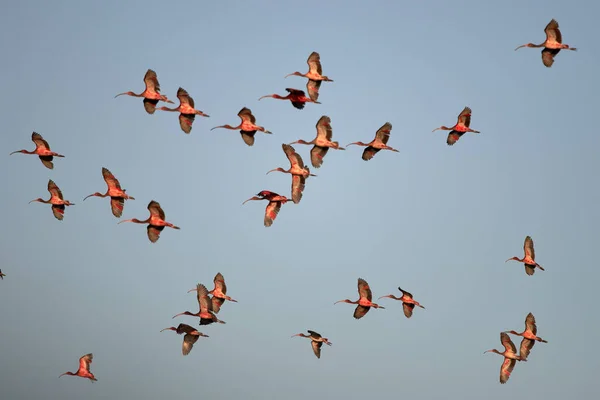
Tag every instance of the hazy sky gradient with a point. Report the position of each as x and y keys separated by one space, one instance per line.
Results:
x=438 y=221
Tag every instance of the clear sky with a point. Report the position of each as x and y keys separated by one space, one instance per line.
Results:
x=438 y=221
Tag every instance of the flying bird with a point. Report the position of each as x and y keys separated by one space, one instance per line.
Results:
x=275 y=203
x=84 y=368
x=408 y=304
x=322 y=143
x=529 y=259
x=364 y=302
x=316 y=341
x=461 y=127
x=187 y=112
x=191 y=336
x=296 y=96
x=116 y=194
x=379 y=143
x=156 y=221
x=314 y=75
x=219 y=293
x=510 y=357
x=552 y=45
x=56 y=199
x=151 y=93
x=529 y=336
x=247 y=127
x=205 y=313
x=2 y=275
x=297 y=169
x=42 y=149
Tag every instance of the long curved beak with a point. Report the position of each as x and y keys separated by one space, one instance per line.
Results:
x=287 y=75
x=295 y=335
x=216 y=127
x=436 y=129
x=120 y=94
x=269 y=132
x=271 y=171
x=125 y=220
x=389 y=296
x=523 y=45
x=267 y=95
x=32 y=201
x=193 y=290
x=18 y=151
x=178 y=315
x=251 y=198
x=170 y=101
x=487 y=351
x=339 y=301
x=87 y=197
x=166 y=329
x=62 y=374
x=508 y=259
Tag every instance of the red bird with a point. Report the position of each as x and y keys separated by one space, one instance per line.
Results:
x=298 y=170
x=42 y=149
x=205 y=313
x=56 y=199
x=117 y=195
x=552 y=45
x=297 y=97
x=529 y=336
x=408 y=304
x=186 y=109
x=156 y=221
x=151 y=94
x=247 y=127
x=510 y=357
x=322 y=143
x=379 y=143
x=191 y=336
x=529 y=259
x=314 y=75
x=275 y=202
x=219 y=293
x=364 y=302
x=84 y=368
x=461 y=127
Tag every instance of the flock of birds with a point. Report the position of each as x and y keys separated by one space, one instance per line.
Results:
x=209 y=306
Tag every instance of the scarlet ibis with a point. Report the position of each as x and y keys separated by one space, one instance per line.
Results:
x=275 y=202
x=364 y=302
x=84 y=368
x=117 y=195
x=322 y=143
x=2 y=275
x=408 y=304
x=529 y=259
x=510 y=357
x=316 y=341
x=248 y=126
x=56 y=199
x=314 y=75
x=205 y=313
x=529 y=335
x=461 y=127
x=42 y=149
x=219 y=293
x=379 y=143
x=186 y=109
x=298 y=170
x=552 y=45
x=151 y=94
x=156 y=221
x=191 y=336
x=296 y=96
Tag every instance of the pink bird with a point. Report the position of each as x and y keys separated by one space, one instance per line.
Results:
x=461 y=127
x=316 y=341
x=296 y=96
x=42 y=149
x=205 y=313
x=151 y=93
x=364 y=302
x=189 y=339
x=247 y=127
x=529 y=259
x=322 y=143
x=219 y=293
x=529 y=336
x=379 y=143
x=314 y=75
x=510 y=357
x=117 y=195
x=552 y=45
x=186 y=109
x=298 y=170
x=84 y=368
x=56 y=199
x=275 y=203
x=408 y=304
x=156 y=221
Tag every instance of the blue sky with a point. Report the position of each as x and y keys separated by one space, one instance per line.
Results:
x=438 y=221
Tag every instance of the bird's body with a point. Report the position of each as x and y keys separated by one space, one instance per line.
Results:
x=510 y=357
x=56 y=199
x=295 y=96
x=2 y=275
x=408 y=303
x=322 y=143
x=462 y=126
x=297 y=169
x=205 y=313
x=116 y=194
x=247 y=127
x=529 y=336
x=219 y=293
x=379 y=143
x=529 y=259
x=314 y=75
x=156 y=221
x=187 y=112
x=42 y=149
x=364 y=303
x=84 y=368
x=316 y=341
x=151 y=93
x=275 y=203
x=552 y=45
x=189 y=339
